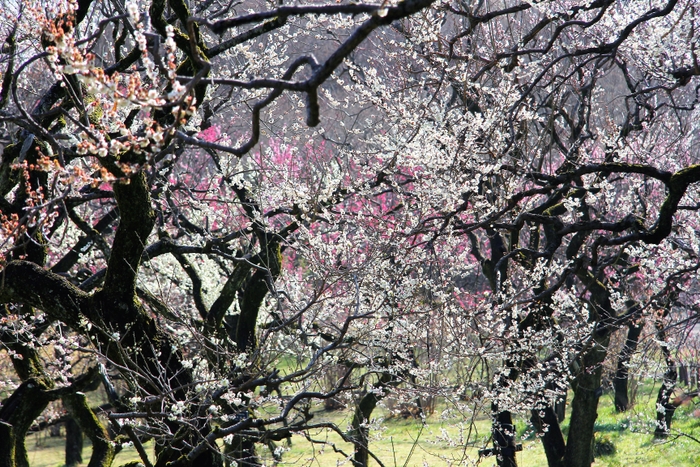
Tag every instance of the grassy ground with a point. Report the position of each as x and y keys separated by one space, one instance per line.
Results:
x=439 y=442
x=45 y=451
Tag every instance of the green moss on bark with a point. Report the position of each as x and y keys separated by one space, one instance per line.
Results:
x=102 y=449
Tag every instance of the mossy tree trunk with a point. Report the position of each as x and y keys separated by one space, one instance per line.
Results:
x=102 y=447
x=18 y=413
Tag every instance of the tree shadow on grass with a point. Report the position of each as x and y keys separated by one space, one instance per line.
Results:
x=611 y=427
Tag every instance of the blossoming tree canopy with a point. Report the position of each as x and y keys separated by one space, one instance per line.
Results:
x=225 y=214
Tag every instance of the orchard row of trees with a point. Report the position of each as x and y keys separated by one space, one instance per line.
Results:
x=226 y=213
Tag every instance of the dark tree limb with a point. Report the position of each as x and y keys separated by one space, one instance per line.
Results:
x=137 y=219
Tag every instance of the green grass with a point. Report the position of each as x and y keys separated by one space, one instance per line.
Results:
x=46 y=451
x=441 y=442
x=399 y=442
x=630 y=433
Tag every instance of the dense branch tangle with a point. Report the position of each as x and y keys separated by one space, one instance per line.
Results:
x=119 y=164
x=547 y=203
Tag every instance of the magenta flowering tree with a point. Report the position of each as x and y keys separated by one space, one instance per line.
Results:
x=226 y=214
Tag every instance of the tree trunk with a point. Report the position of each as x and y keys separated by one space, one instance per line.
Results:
x=17 y=414
x=546 y=422
x=74 y=443
x=7 y=445
x=683 y=375
x=360 y=438
x=102 y=448
x=363 y=412
x=664 y=408
x=584 y=406
x=620 y=382
x=503 y=430
x=360 y=430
